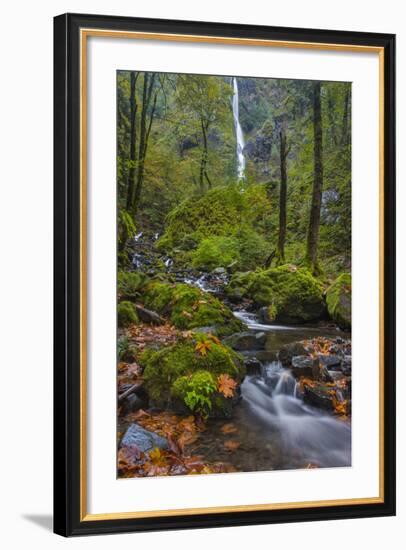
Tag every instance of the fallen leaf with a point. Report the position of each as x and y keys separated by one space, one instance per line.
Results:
x=226 y=385
x=228 y=428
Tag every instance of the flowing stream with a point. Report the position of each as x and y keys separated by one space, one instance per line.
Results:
x=238 y=132
x=276 y=429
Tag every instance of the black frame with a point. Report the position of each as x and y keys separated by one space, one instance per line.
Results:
x=67 y=275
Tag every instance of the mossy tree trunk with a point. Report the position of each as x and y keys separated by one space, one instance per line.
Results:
x=133 y=139
x=203 y=163
x=283 y=153
x=145 y=129
x=315 y=208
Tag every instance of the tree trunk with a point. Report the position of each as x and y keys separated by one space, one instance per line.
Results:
x=133 y=139
x=203 y=162
x=282 y=195
x=144 y=135
x=314 y=222
x=346 y=115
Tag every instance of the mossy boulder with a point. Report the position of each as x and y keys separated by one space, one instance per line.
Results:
x=187 y=373
x=290 y=294
x=225 y=226
x=126 y=314
x=338 y=297
x=188 y=307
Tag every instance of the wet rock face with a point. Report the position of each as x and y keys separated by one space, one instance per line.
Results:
x=287 y=352
x=253 y=366
x=144 y=440
x=318 y=397
x=303 y=365
x=246 y=341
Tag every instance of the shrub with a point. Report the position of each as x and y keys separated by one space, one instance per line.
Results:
x=195 y=391
x=126 y=314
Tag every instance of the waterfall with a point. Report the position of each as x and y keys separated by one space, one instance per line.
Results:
x=238 y=133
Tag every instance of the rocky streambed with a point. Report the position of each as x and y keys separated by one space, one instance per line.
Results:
x=293 y=407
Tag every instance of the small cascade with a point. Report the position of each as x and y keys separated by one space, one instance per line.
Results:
x=238 y=132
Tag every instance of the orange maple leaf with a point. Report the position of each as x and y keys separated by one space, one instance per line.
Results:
x=226 y=385
x=203 y=347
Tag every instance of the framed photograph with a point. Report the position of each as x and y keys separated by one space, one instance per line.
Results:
x=224 y=274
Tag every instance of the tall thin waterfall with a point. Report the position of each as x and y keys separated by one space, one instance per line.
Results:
x=238 y=133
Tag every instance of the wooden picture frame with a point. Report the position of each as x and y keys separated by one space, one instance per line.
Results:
x=71 y=32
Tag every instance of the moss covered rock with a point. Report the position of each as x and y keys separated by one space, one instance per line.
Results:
x=188 y=307
x=291 y=295
x=224 y=226
x=126 y=314
x=338 y=297
x=188 y=372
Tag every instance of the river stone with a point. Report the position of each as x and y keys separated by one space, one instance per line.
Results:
x=287 y=352
x=134 y=402
x=346 y=365
x=319 y=397
x=253 y=366
x=148 y=316
x=330 y=361
x=303 y=365
x=143 y=439
x=245 y=341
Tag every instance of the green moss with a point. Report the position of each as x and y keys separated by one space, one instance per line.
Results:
x=338 y=297
x=188 y=307
x=165 y=367
x=215 y=252
x=220 y=212
x=126 y=314
x=293 y=294
x=130 y=283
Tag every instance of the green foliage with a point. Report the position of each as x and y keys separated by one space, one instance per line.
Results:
x=130 y=283
x=196 y=391
x=164 y=367
x=188 y=307
x=294 y=294
x=126 y=314
x=125 y=228
x=216 y=252
x=338 y=297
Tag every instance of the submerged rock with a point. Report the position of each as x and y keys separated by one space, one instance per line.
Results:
x=318 y=396
x=143 y=439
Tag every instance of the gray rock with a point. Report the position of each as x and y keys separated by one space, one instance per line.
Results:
x=318 y=397
x=303 y=365
x=330 y=361
x=143 y=439
x=148 y=316
x=134 y=402
x=253 y=366
x=245 y=341
x=287 y=352
x=219 y=271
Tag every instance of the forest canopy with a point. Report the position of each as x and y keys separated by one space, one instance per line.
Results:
x=177 y=146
